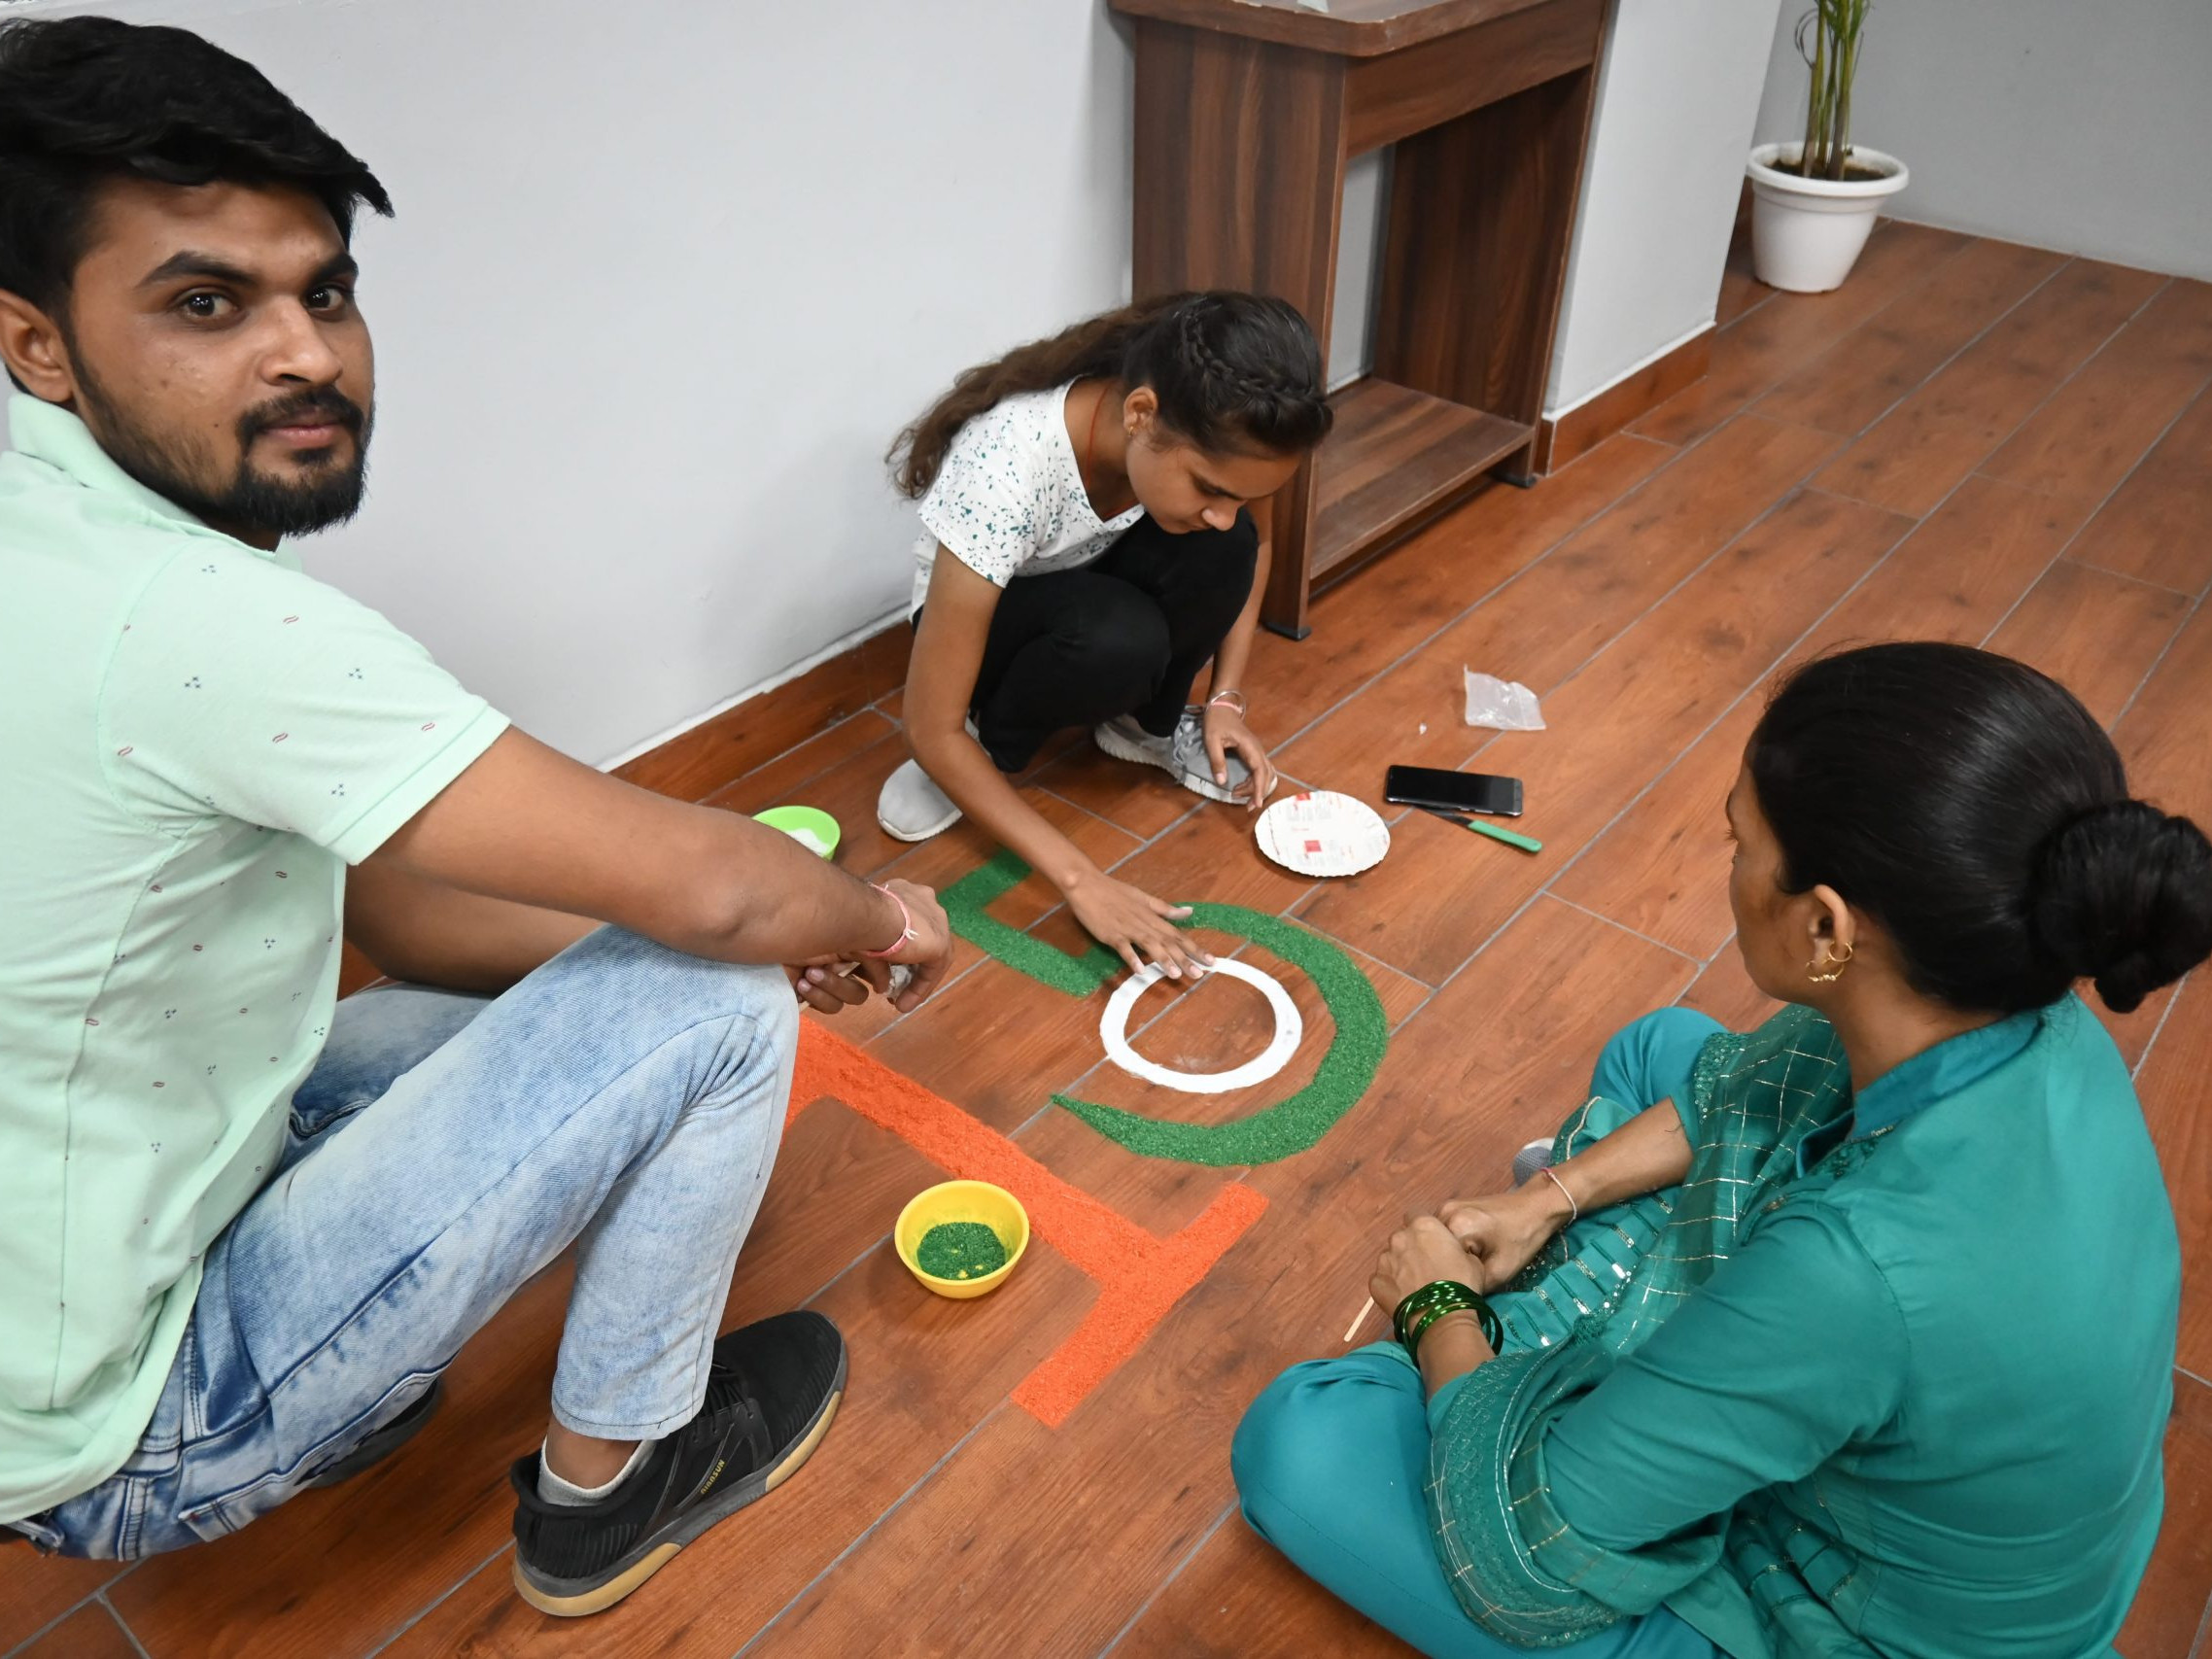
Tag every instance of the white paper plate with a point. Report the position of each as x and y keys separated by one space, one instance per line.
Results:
x=1322 y=834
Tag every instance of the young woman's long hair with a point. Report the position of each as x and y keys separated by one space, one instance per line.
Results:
x=1233 y=372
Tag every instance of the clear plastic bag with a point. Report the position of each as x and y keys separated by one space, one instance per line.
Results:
x=1503 y=704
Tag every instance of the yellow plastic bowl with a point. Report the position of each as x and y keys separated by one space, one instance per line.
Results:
x=962 y=1201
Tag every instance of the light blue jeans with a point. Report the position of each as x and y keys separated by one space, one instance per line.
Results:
x=624 y=1098
x=1331 y=1461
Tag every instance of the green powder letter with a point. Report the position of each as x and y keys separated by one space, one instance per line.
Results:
x=960 y=1250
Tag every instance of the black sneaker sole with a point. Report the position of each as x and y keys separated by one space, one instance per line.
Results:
x=386 y=1441
x=574 y=1598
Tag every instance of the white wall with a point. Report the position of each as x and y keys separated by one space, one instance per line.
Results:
x=1358 y=257
x=665 y=279
x=1677 y=95
x=2065 y=125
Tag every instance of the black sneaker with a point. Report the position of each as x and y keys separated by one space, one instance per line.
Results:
x=771 y=1393
x=382 y=1442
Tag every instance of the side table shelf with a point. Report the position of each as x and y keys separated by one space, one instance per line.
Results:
x=1248 y=111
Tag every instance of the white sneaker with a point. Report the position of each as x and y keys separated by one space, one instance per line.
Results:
x=1182 y=754
x=912 y=807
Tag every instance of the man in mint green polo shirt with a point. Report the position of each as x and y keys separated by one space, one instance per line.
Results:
x=247 y=1226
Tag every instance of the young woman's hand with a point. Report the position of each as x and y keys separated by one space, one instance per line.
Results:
x=1419 y=1253
x=1128 y=920
x=1226 y=733
x=1501 y=1234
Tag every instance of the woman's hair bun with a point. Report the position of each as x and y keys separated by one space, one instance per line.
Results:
x=2123 y=895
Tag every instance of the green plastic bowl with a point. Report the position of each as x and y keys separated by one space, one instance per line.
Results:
x=810 y=826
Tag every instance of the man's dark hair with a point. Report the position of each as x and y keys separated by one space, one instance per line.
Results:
x=87 y=100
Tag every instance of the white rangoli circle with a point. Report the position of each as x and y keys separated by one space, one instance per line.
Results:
x=1290 y=1030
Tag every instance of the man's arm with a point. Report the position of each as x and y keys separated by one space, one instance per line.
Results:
x=425 y=932
x=541 y=848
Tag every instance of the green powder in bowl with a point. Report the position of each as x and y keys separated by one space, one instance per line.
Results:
x=960 y=1250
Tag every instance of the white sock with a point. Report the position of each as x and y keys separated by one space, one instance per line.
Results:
x=554 y=1490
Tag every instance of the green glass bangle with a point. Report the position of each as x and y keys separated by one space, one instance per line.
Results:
x=1441 y=1293
x=1431 y=1302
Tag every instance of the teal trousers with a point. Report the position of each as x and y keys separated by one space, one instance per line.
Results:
x=1331 y=1461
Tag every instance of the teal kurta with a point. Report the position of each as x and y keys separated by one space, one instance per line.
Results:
x=1884 y=1377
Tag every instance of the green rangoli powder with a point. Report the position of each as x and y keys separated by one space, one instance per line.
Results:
x=960 y=1250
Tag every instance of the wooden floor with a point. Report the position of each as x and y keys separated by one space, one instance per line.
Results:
x=1971 y=441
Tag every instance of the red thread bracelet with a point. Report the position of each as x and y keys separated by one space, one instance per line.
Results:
x=906 y=933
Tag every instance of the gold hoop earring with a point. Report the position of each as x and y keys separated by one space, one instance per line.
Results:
x=1834 y=965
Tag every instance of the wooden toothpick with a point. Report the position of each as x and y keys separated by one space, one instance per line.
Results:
x=1366 y=1308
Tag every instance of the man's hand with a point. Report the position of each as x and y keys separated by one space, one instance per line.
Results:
x=926 y=949
x=828 y=989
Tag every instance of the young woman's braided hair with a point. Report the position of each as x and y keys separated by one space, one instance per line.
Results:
x=1233 y=373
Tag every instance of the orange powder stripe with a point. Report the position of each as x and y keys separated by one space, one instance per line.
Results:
x=1139 y=1276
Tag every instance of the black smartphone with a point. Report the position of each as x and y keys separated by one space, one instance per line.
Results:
x=1453 y=791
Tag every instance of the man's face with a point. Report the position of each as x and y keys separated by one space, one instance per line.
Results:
x=212 y=345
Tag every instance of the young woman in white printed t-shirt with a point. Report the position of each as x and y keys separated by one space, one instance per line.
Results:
x=1094 y=512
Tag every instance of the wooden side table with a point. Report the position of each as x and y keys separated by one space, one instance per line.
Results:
x=1247 y=112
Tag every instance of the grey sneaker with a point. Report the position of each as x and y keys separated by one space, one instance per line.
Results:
x=1536 y=1155
x=912 y=807
x=1182 y=756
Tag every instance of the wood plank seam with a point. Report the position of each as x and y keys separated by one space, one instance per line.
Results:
x=2186 y=617
x=1622 y=926
x=1841 y=600
x=69 y=1613
x=1174 y=1572
x=1867 y=576
x=2103 y=501
x=1455 y=618
x=128 y=1635
x=438 y=1600
x=1794 y=363
x=868 y=1532
x=1544 y=891
x=2123 y=576
x=1681 y=453
x=1908 y=294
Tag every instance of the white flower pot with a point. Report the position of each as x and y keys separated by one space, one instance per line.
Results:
x=1806 y=233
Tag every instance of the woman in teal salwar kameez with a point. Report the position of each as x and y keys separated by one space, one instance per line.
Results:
x=1849 y=1336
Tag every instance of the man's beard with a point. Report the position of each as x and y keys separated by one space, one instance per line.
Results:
x=254 y=501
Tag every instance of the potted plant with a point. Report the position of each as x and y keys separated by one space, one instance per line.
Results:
x=1813 y=202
